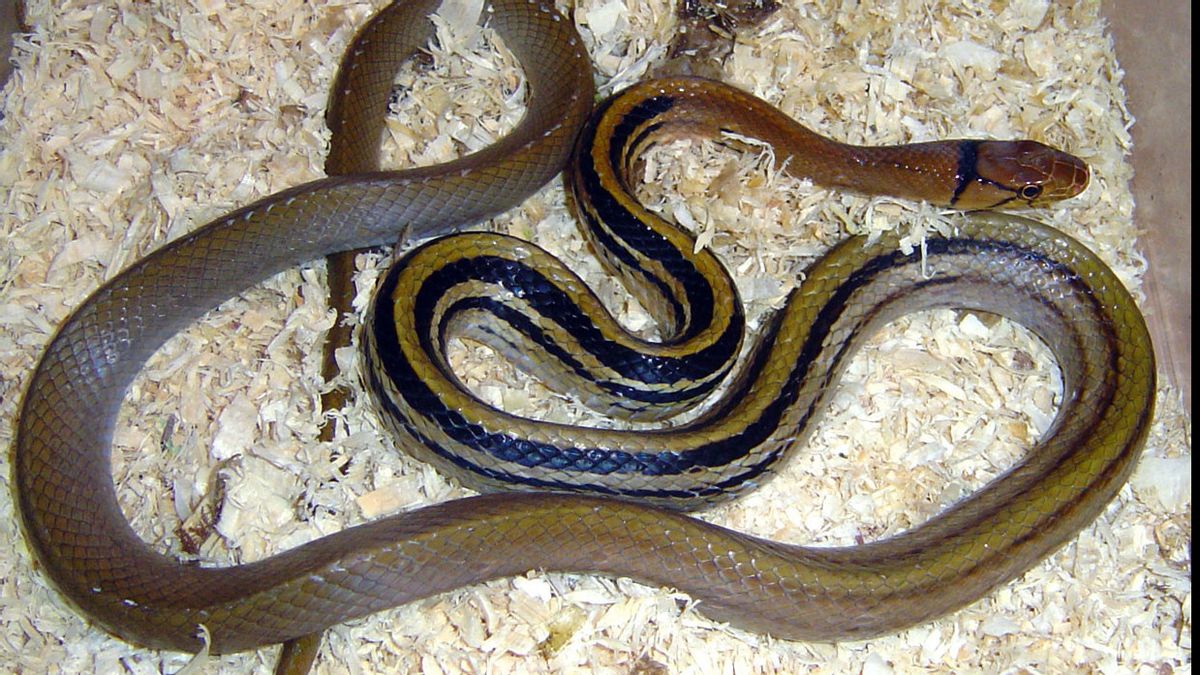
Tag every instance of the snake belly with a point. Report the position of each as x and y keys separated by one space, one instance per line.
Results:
x=1003 y=264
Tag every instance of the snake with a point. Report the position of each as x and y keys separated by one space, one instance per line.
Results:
x=584 y=499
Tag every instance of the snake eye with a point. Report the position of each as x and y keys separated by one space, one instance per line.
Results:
x=1031 y=192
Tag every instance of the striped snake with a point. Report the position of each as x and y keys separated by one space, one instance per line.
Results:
x=517 y=299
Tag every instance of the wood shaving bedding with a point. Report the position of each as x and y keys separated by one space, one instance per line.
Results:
x=127 y=124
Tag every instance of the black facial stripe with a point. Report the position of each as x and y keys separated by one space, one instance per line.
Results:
x=967 y=172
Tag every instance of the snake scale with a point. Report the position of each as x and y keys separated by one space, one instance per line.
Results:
x=998 y=263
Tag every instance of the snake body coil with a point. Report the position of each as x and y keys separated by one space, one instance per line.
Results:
x=1003 y=264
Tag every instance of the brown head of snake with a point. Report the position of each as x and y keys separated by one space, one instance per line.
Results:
x=515 y=297
x=1022 y=172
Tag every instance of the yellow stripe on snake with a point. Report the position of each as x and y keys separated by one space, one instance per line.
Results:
x=516 y=298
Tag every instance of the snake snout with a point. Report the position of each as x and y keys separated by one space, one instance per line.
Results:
x=1038 y=173
x=1069 y=176
x=1055 y=174
x=1063 y=175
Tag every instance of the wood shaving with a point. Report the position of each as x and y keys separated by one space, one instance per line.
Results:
x=128 y=124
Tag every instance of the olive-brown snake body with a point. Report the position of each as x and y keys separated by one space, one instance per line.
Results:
x=73 y=523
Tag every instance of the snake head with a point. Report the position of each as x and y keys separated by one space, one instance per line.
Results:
x=1022 y=173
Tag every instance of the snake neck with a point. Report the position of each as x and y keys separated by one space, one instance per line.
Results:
x=964 y=174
